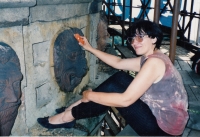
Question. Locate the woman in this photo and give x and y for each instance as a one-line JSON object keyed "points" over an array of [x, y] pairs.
{"points": [[154, 103]]}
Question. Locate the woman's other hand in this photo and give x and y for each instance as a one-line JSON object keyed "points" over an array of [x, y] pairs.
{"points": [[85, 95]]}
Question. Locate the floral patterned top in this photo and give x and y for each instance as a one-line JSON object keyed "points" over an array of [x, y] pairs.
{"points": [[168, 98]]}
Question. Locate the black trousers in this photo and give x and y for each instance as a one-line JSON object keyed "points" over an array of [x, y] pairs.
{"points": [[138, 115]]}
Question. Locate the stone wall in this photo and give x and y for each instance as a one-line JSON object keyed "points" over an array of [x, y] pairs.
{"points": [[30, 28]]}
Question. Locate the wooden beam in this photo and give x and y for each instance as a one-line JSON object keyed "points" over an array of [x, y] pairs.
{"points": [[173, 39], [156, 11]]}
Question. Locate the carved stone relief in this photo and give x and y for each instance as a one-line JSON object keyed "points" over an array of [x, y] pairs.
{"points": [[10, 90], [70, 64]]}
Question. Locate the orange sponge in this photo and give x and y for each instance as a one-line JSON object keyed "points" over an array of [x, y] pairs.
{"points": [[78, 38]]}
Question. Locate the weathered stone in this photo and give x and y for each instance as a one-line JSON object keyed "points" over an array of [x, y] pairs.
{"points": [[95, 6], [16, 3], [53, 2], [41, 62], [43, 95], [52, 12], [94, 19], [14, 17], [41, 53]]}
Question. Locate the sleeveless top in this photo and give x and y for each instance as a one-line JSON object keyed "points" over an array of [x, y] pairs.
{"points": [[167, 98]]}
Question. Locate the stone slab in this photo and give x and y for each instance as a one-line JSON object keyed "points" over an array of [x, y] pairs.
{"points": [[43, 95], [59, 12], [194, 113], [54, 2], [16, 3], [13, 17]]}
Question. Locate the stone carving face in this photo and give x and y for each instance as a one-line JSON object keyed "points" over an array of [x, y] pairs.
{"points": [[10, 91], [10, 76], [70, 64]]}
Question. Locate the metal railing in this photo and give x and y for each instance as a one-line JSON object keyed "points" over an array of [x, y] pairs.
{"points": [[184, 27]]}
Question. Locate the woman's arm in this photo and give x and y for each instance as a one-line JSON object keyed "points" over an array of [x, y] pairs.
{"points": [[132, 64], [153, 70]]}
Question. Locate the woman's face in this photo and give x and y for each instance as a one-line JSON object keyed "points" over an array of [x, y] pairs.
{"points": [[142, 44]]}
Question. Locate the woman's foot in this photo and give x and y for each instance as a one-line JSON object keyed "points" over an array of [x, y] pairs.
{"points": [[45, 123]]}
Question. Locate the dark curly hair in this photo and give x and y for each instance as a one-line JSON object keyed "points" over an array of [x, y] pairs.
{"points": [[150, 28]]}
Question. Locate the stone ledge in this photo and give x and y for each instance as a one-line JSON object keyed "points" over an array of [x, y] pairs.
{"points": [[55, 2], [52, 12], [17, 3], [14, 17]]}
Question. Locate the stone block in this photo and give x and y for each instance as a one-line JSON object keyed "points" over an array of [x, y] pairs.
{"points": [[41, 62], [41, 53], [13, 17], [59, 12], [54, 2], [43, 96], [16, 3]]}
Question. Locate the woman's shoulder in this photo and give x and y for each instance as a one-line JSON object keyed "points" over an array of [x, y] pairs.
{"points": [[159, 54], [156, 56]]}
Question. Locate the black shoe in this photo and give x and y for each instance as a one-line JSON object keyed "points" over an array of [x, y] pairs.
{"points": [[45, 123], [60, 110]]}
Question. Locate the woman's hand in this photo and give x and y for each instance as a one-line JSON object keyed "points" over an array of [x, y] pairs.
{"points": [[86, 44], [85, 95]]}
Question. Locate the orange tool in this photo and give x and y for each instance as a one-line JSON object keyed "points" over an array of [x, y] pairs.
{"points": [[78, 38]]}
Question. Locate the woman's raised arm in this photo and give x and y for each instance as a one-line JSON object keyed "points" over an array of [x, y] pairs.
{"points": [[132, 64]]}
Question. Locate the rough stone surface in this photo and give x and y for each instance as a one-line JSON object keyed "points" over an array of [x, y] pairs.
{"points": [[40, 53], [52, 12], [13, 17], [16, 3], [54, 2], [94, 19], [43, 95]]}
